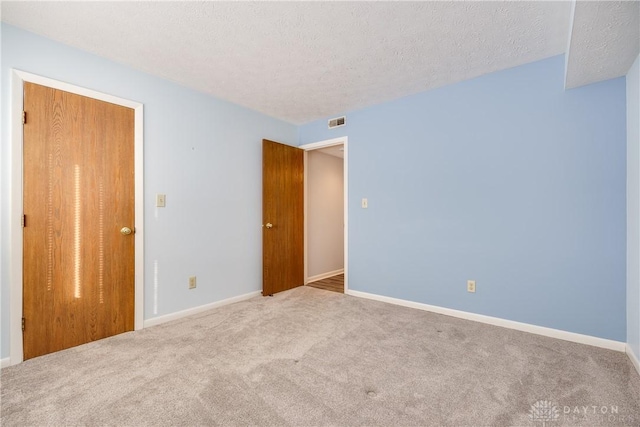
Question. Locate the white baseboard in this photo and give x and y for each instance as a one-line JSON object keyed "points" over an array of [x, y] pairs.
{"points": [[496, 321], [324, 275], [634, 358], [5, 362], [195, 310]]}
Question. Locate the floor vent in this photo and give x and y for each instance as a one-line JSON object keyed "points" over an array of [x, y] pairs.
{"points": [[338, 121]]}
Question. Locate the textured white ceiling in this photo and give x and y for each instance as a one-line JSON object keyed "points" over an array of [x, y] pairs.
{"points": [[300, 61], [605, 41]]}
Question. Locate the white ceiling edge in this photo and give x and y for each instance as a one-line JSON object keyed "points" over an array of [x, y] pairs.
{"points": [[604, 41]]}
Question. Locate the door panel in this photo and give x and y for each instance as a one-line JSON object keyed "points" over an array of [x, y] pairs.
{"points": [[78, 269], [283, 217]]}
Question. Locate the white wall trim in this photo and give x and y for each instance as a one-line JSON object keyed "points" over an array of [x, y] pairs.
{"points": [[343, 140], [195, 310], [496, 321], [305, 210], [16, 199], [324, 275], [634, 359], [326, 143], [5, 362]]}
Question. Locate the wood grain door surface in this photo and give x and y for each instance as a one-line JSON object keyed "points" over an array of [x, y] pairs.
{"points": [[78, 268], [283, 217]]}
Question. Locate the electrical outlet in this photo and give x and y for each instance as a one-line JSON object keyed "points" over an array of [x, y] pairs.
{"points": [[192, 282], [471, 285]]}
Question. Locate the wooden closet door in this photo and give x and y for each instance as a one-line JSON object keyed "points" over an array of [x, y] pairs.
{"points": [[78, 261]]}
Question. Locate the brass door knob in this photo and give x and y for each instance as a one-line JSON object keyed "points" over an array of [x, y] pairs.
{"points": [[126, 231], [269, 225]]}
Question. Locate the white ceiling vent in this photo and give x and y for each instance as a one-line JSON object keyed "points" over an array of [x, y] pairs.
{"points": [[338, 121]]}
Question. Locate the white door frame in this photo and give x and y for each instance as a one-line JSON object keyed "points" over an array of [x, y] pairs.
{"points": [[18, 78], [343, 140]]}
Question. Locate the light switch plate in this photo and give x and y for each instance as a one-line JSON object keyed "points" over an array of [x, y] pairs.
{"points": [[365, 203], [161, 200]]}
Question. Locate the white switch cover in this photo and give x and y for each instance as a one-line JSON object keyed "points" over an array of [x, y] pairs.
{"points": [[161, 200], [365, 203]]}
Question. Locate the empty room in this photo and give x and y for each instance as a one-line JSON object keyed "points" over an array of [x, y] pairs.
{"points": [[320, 213]]}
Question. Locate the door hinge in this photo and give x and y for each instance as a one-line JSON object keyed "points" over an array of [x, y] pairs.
{"points": [[24, 117], [23, 324], [24, 221]]}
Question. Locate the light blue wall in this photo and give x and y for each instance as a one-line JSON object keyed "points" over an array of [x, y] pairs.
{"points": [[633, 208], [507, 179], [203, 153]]}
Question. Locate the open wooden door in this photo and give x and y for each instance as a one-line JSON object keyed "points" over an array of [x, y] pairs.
{"points": [[282, 217], [78, 257]]}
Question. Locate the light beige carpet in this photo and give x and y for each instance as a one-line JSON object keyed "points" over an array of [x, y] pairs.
{"points": [[309, 357]]}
